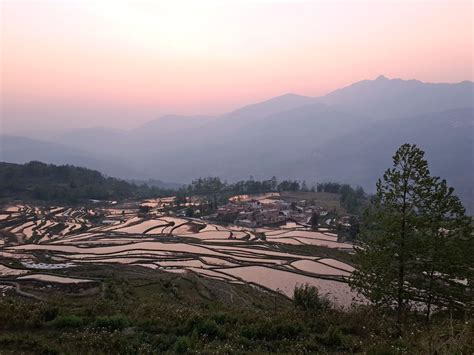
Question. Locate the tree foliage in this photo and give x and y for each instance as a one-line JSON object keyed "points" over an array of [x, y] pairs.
{"points": [[213, 185], [66, 183], [307, 298], [415, 240], [448, 248], [351, 199]]}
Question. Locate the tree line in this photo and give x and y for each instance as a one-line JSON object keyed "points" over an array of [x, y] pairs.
{"points": [[214, 185], [70, 184], [352, 199], [66, 183]]}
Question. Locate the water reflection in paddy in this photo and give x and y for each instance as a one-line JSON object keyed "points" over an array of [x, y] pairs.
{"points": [[142, 227], [53, 278], [284, 281], [337, 264], [211, 235], [7, 271], [315, 267], [176, 247]]}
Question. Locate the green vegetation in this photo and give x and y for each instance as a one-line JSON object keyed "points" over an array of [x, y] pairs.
{"points": [[350, 198], [213, 185], [217, 192], [307, 298], [353, 200], [69, 184], [169, 314], [416, 246]]}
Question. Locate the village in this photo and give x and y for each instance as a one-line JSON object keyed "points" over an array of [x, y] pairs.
{"points": [[305, 211], [266, 212], [259, 210]]}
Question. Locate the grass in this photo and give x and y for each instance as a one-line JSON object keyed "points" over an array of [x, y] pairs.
{"points": [[164, 313]]}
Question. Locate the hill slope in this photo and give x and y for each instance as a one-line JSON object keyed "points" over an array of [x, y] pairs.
{"points": [[36, 180]]}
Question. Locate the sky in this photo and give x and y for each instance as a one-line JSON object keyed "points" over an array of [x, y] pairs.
{"points": [[115, 63]]}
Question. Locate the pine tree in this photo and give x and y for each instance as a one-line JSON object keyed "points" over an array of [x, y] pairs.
{"points": [[416, 244], [447, 258], [386, 257]]}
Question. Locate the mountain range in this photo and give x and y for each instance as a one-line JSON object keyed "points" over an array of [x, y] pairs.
{"points": [[348, 135]]}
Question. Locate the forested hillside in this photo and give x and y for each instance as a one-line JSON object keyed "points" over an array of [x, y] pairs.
{"points": [[36, 180]]}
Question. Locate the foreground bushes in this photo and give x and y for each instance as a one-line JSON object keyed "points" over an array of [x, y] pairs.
{"points": [[147, 324], [307, 298], [68, 322]]}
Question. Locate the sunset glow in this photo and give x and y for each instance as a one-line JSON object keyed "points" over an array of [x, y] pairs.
{"points": [[120, 63]]}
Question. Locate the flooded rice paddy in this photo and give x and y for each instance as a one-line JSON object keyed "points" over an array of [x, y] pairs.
{"points": [[47, 239]]}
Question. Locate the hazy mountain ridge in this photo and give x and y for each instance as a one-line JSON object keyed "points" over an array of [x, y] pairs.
{"points": [[347, 135], [447, 138], [21, 150], [272, 106], [384, 98]]}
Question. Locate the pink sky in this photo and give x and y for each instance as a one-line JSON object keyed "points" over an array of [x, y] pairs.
{"points": [[79, 63]]}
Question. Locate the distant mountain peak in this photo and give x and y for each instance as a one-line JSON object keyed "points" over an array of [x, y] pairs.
{"points": [[382, 78], [289, 94]]}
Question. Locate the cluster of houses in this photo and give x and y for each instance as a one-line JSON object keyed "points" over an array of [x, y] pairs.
{"points": [[256, 213]]}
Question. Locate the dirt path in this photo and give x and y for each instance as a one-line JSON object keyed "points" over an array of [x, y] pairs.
{"points": [[20, 292]]}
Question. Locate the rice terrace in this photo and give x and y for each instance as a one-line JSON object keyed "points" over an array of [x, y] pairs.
{"points": [[54, 246]]}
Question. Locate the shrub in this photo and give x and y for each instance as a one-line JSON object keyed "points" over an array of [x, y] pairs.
{"points": [[276, 329], [50, 313], [25, 343], [223, 318], [68, 322], [97, 341], [332, 337], [16, 313], [306, 298], [207, 327], [382, 349], [163, 342], [182, 344], [113, 322]]}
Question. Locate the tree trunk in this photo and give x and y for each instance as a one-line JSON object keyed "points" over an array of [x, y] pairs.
{"points": [[430, 297], [434, 255], [401, 268]]}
